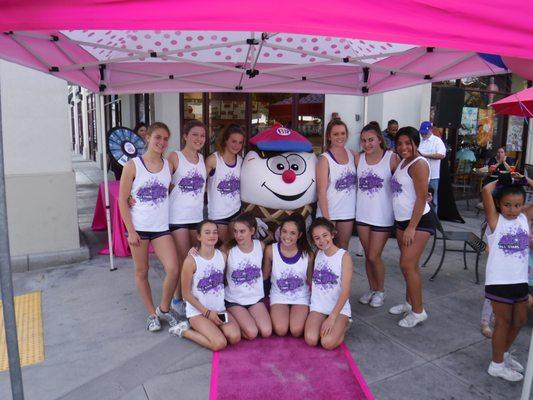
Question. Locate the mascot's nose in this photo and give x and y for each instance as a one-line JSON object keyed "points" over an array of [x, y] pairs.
{"points": [[288, 176]]}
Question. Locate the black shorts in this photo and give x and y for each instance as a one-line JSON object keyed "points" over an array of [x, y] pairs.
{"points": [[227, 220], [426, 224], [191, 227], [508, 294], [144, 235], [376, 228], [343, 220], [229, 304]]}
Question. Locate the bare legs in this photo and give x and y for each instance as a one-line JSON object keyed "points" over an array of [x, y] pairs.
{"points": [[184, 239], [207, 334], [253, 320], [313, 327], [287, 317], [373, 243], [509, 318], [344, 232]]}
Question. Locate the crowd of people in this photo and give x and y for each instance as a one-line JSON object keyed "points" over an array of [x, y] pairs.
{"points": [[230, 285]]}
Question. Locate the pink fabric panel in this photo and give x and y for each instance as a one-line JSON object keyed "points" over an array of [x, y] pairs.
{"points": [[520, 66], [491, 26]]}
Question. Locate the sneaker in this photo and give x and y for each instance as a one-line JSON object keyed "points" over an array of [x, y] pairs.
{"points": [[510, 362], [486, 331], [178, 305], [365, 298], [412, 319], [504, 372], [152, 323], [378, 299], [171, 316], [400, 309], [179, 329]]}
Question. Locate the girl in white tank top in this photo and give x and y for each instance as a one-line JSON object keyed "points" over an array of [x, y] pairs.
{"points": [[147, 181], [203, 291], [506, 278], [332, 274], [288, 264], [374, 214], [224, 180], [336, 182], [244, 291]]}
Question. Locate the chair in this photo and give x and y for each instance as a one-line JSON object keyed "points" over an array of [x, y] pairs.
{"points": [[468, 238], [462, 181]]}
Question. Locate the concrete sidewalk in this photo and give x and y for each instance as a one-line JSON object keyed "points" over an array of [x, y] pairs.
{"points": [[96, 346]]}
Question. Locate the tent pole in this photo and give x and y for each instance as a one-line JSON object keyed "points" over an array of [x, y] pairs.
{"points": [[6, 283], [100, 122], [526, 387]]}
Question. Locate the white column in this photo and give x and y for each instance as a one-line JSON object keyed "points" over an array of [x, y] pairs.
{"points": [[167, 110], [85, 124]]}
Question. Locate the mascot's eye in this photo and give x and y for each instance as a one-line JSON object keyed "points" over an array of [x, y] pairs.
{"points": [[297, 164], [278, 164]]}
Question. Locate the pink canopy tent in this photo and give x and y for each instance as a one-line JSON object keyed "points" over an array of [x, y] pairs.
{"points": [[520, 103]]}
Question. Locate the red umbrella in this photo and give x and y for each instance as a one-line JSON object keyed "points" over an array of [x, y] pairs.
{"points": [[520, 103]]}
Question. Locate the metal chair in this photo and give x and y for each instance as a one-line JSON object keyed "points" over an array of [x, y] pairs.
{"points": [[468, 238]]}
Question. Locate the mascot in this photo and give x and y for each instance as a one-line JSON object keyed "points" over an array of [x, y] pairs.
{"points": [[278, 176]]}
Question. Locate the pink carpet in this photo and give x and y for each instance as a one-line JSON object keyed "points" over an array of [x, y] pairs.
{"points": [[285, 368]]}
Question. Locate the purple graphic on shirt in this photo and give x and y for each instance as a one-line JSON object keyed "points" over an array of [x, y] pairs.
{"points": [[229, 186], [247, 273], [212, 282], [152, 192], [290, 283], [324, 277], [370, 182], [192, 183], [516, 240], [396, 187], [346, 182]]}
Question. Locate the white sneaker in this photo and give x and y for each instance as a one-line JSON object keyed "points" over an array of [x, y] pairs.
{"points": [[365, 298], [400, 309], [178, 306], [179, 329], [378, 299], [504, 372], [152, 323], [412, 319], [510, 362]]}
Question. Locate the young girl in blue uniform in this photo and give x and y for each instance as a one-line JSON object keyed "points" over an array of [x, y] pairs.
{"points": [[244, 293], [332, 275], [506, 277], [289, 264]]}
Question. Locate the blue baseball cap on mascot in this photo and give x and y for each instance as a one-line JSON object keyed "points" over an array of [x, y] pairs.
{"points": [[425, 128], [279, 138]]}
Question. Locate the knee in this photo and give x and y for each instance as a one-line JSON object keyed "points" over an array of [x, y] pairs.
{"points": [[281, 330], [328, 343], [519, 322], [311, 339], [297, 331], [141, 274], [219, 344], [265, 331], [172, 272], [234, 336], [250, 332], [372, 258], [503, 322]]}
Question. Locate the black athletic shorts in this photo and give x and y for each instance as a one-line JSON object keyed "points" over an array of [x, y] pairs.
{"points": [[227, 220], [174, 227], [508, 294], [376, 228], [229, 304], [426, 224], [144, 235]]}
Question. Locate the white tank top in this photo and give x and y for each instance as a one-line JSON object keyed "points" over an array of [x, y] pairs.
{"points": [[224, 189], [208, 284], [508, 258], [326, 287], [187, 196], [341, 188], [150, 191], [403, 192], [244, 276], [374, 195], [289, 284]]}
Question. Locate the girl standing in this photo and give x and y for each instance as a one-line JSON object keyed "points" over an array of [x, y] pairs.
{"points": [[289, 264], [244, 291], [147, 179], [332, 275], [374, 215], [335, 182], [414, 222], [224, 182], [506, 278], [187, 195], [203, 290]]}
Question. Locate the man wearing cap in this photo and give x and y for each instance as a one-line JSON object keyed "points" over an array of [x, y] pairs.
{"points": [[389, 134], [433, 149]]}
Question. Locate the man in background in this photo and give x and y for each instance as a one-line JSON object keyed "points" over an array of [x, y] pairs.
{"points": [[390, 133], [433, 149]]}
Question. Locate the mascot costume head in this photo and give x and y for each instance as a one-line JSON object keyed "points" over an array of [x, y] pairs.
{"points": [[278, 176]]}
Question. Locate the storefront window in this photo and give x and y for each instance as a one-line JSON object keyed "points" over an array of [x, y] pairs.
{"points": [[224, 109], [192, 107], [271, 108], [311, 119]]}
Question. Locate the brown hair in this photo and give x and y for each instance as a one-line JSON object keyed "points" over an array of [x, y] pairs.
{"points": [[247, 219], [301, 243], [331, 124], [326, 223], [157, 125], [188, 126], [373, 128], [223, 139]]}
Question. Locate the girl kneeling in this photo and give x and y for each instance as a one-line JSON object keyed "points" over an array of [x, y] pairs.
{"points": [[332, 276], [202, 280]]}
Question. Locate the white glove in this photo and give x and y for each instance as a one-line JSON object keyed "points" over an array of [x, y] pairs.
{"points": [[262, 228]]}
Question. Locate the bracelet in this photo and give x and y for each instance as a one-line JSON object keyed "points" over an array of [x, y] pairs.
{"points": [[207, 313]]}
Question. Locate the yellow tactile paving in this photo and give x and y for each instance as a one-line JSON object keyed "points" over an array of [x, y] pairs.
{"points": [[29, 330]]}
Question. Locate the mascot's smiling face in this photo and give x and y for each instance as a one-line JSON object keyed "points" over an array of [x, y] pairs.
{"points": [[284, 181]]}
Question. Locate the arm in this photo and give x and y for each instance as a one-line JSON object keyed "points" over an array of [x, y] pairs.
{"points": [[126, 182], [173, 162], [210, 164], [267, 262], [419, 172], [394, 162], [346, 284], [322, 178], [310, 268], [488, 204], [356, 157]]}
